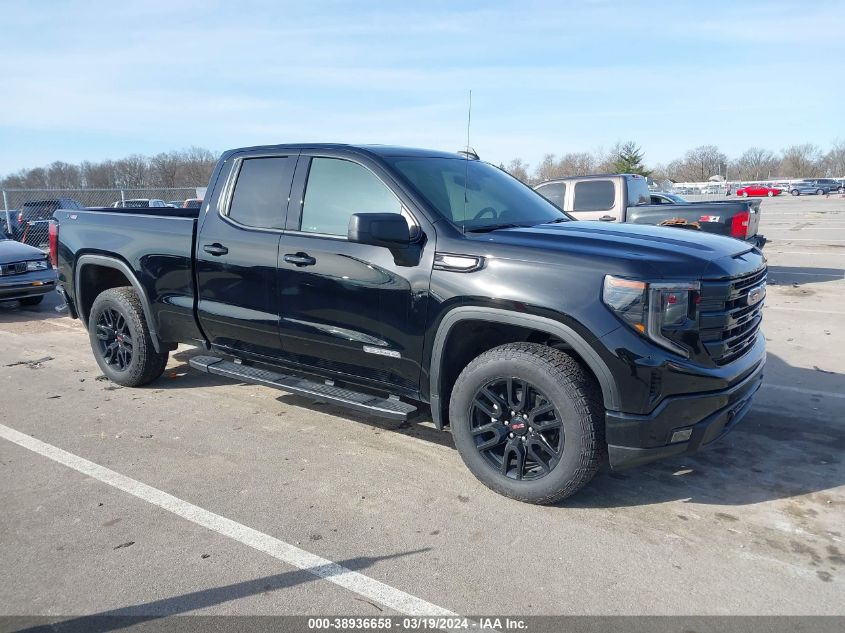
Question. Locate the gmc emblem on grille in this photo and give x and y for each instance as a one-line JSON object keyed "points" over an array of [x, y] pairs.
{"points": [[756, 295]]}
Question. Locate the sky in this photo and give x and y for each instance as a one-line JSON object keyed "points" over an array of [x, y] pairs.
{"points": [[89, 80]]}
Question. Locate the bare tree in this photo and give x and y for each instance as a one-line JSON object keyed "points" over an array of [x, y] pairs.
{"points": [[577, 164], [131, 172], [699, 164], [517, 168], [63, 176], [834, 160], [802, 161], [756, 163]]}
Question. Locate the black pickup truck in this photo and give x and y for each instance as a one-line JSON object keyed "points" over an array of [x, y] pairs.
{"points": [[626, 198], [380, 277]]}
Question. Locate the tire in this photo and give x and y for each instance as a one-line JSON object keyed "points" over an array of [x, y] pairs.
{"points": [[120, 339], [32, 301], [841, 190], [771, 193], [819, 192], [795, 192], [553, 379], [744, 194]]}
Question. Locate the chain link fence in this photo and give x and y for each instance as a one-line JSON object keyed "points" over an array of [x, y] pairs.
{"points": [[26, 213]]}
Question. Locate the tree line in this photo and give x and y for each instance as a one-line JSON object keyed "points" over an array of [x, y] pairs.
{"points": [[192, 167], [189, 167], [696, 165]]}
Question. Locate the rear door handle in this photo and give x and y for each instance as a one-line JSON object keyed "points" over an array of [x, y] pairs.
{"points": [[215, 249], [300, 259]]}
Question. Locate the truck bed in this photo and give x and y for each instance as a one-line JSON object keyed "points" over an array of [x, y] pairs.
{"points": [[712, 217], [157, 246]]}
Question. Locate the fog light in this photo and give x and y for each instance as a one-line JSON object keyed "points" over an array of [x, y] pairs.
{"points": [[681, 435]]}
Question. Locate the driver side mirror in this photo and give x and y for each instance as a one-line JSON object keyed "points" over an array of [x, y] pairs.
{"points": [[379, 229]]}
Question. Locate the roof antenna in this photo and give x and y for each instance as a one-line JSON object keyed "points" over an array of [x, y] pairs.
{"points": [[466, 154]]}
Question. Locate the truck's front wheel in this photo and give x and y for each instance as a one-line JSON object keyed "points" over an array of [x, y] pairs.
{"points": [[527, 421], [120, 338]]}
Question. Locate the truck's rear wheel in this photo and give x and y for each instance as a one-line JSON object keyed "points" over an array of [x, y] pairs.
{"points": [[121, 339], [527, 421]]}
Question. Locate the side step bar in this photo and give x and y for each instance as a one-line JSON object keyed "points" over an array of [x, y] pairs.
{"points": [[366, 403]]}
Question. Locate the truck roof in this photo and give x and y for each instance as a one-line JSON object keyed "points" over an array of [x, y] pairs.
{"points": [[375, 150]]}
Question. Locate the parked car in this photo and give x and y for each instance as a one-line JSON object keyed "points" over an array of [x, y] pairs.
{"points": [[32, 218], [403, 276], [831, 184], [174, 203], [808, 187], [663, 197], [625, 198], [139, 203], [26, 275], [758, 190], [192, 203]]}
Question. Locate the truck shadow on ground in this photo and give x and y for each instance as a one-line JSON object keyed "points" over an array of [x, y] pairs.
{"points": [[130, 616], [772, 454], [785, 275], [14, 312]]}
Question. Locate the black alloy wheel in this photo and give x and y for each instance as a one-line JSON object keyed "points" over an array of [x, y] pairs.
{"points": [[115, 339], [517, 429]]}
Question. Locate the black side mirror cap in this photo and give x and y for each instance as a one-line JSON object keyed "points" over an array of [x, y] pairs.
{"points": [[389, 230]]}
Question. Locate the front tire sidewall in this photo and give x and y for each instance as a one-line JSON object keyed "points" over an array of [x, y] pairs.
{"points": [[576, 444]]}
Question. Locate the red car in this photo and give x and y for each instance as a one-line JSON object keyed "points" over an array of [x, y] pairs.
{"points": [[758, 190]]}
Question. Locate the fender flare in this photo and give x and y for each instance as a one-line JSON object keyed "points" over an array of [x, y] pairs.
{"points": [[610, 393], [117, 264]]}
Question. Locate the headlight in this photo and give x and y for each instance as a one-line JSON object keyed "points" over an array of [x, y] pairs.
{"points": [[652, 309], [41, 264]]}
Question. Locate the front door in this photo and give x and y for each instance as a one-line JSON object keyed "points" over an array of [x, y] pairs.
{"points": [[345, 307], [237, 256]]}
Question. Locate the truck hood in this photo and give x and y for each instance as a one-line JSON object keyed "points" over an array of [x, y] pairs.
{"points": [[11, 251], [671, 253]]}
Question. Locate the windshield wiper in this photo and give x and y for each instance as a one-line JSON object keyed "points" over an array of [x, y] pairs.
{"points": [[496, 227], [555, 221]]}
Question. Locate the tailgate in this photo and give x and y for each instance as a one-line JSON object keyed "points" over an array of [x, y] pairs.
{"points": [[753, 218]]}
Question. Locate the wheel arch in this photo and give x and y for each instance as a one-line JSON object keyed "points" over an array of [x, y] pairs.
{"points": [[531, 322], [84, 300]]}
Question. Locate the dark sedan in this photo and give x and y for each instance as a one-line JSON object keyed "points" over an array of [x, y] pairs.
{"points": [[26, 274]]}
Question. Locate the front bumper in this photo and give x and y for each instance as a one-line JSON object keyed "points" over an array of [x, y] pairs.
{"points": [[25, 285], [638, 439]]}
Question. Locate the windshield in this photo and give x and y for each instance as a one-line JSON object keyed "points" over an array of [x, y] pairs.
{"points": [[475, 195]]}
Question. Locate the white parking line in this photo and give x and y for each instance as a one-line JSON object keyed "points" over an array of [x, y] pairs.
{"points": [[790, 309], [809, 392], [327, 570]]}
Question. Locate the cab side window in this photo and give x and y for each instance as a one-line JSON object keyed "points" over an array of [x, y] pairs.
{"points": [[594, 195], [338, 188], [554, 192], [260, 198]]}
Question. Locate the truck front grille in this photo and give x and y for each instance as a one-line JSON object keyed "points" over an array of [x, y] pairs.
{"points": [[15, 268], [728, 325]]}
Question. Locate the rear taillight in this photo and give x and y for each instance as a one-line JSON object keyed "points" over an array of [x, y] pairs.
{"points": [[739, 224], [20, 219], [54, 243]]}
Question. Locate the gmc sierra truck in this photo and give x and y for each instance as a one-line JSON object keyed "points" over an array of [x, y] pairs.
{"points": [[626, 198], [379, 278]]}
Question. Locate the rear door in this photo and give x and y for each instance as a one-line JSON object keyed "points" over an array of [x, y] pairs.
{"points": [[237, 255], [596, 199]]}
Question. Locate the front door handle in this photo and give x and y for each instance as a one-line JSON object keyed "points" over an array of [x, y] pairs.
{"points": [[607, 218], [300, 259], [215, 249]]}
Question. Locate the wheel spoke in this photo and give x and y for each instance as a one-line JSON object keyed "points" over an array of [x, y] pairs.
{"points": [[514, 453], [542, 453], [104, 333], [498, 432], [517, 393], [489, 402], [542, 425]]}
